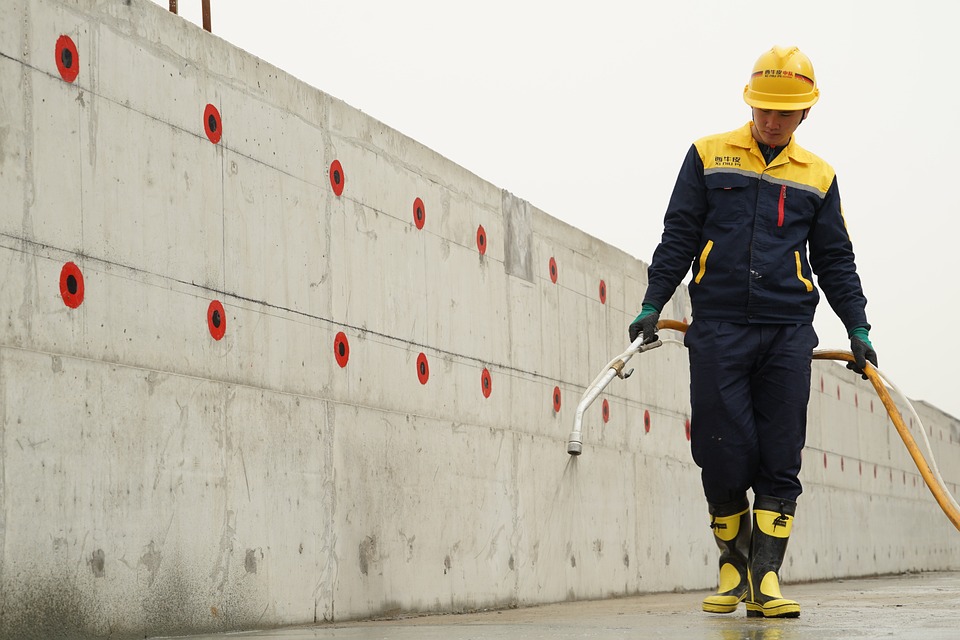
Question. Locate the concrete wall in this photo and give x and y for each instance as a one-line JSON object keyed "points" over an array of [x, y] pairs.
{"points": [[155, 479]]}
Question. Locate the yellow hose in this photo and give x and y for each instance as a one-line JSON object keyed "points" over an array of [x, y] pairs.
{"points": [[939, 492]]}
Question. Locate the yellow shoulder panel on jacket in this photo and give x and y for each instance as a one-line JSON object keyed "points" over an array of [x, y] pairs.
{"points": [[803, 168], [731, 151], [736, 151]]}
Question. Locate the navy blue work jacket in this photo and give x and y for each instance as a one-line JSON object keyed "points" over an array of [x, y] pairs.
{"points": [[750, 233]]}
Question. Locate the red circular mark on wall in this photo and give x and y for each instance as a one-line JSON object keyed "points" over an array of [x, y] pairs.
{"points": [[216, 320], [553, 271], [419, 213], [603, 292], [481, 240], [838, 392], [556, 399], [486, 383], [605, 410], [686, 427], [341, 349], [423, 369], [824, 460], [871, 405], [212, 123], [71, 285], [646, 421], [68, 60], [337, 177]]}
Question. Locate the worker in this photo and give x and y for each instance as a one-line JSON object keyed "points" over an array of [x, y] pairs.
{"points": [[753, 217]]}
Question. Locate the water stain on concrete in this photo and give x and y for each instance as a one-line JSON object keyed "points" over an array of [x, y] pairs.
{"points": [[150, 560], [367, 554], [97, 563], [250, 561]]}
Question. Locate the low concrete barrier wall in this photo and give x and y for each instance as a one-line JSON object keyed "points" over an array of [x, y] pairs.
{"points": [[266, 361]]}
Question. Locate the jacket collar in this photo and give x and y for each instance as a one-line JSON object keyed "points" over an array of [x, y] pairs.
{"points": [[743, 138]]}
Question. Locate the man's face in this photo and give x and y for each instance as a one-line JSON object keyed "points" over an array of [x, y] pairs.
{"points": [[774, 128]]}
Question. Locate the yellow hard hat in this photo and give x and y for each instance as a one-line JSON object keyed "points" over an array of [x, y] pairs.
{"points": [[782, 80]]}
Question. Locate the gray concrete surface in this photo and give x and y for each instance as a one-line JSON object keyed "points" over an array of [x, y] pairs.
{"points": [[922, 606], [160, 477]]}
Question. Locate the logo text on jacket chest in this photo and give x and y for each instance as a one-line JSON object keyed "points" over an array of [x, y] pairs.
{"points": [[727, 161]]}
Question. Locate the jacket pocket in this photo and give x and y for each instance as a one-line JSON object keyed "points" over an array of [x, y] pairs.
{"points": [[728, 195], [703, 261], [806, 283]]}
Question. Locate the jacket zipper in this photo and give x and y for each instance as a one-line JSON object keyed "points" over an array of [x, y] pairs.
{"points": [[783, 196]]}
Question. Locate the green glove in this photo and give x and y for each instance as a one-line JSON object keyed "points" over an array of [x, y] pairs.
{"points": [[862, 350], [645, 323]]}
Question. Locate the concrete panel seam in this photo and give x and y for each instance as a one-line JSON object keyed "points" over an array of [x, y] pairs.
{"points": [[46, 250]]}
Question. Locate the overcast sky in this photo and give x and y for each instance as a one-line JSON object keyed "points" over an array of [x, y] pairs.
{"points": [[587, 109]]}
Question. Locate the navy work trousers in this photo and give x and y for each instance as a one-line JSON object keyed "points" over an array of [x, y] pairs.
{"points": [[749, 388]]}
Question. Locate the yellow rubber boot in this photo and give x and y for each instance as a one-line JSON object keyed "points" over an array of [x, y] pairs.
{"points": [[731, 530], [773, 521]]}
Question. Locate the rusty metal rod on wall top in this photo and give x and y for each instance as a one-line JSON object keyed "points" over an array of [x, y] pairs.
{"points": [[205, 9]]}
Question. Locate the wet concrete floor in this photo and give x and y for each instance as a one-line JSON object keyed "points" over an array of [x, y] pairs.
{"points": [[906, 607]]}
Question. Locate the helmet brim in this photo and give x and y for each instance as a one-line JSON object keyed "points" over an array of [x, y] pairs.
{"points": [[780, 102]]}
